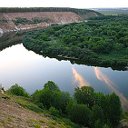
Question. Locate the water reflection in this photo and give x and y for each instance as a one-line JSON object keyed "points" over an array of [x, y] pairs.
{"points": [[102, 77], [32, 71], [79, 79]]}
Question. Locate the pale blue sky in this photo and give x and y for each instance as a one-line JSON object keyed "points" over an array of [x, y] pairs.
{"points": [[65, 3]]}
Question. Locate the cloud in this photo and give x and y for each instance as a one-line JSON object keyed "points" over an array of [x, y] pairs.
{"points": [[102, 77], [79, 79]]}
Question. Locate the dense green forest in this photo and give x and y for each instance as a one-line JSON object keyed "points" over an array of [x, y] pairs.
{"points": [[85, 108], [101, 41]]}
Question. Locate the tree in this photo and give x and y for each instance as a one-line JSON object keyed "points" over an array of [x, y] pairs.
{"points": [[98, 124], [114, 109], [100, 100], [106, 126], [53, 111], [98, 113], [62, 101], [50, 85], [52, 96], [81, 114], [18, 90], [85, 95]]}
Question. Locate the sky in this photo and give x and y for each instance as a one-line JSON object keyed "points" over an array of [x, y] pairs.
{"points": [[65, 3]]}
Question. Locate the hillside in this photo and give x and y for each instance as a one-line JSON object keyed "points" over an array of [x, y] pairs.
{"points": [[52, 108], [15, 113], [14, 19]]}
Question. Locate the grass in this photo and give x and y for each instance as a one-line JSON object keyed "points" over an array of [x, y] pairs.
{"points": [[26, 103], [47, 119]]}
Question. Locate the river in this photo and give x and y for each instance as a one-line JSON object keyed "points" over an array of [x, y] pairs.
{"points": [[32, 71]]}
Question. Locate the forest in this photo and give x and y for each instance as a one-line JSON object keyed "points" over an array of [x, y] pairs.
{"points": [[101, 41], [86, 107]]}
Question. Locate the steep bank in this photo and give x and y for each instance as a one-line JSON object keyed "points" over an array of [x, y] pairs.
{"points": [[50, 17], [15, 19]]}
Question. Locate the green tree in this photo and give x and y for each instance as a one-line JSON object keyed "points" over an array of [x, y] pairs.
{"points": [[98, 113], [52, 96], [85, 95], [53, 111], [114, 109], [18, 91], [98, 124], [50, 85], [81, 114]]}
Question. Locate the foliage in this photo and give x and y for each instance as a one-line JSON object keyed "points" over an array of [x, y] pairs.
{"points": [[53, 111], [87, 108], [27, 103], [21, 21], [51, 96], [18, 91], [105, 108], [101, 41], [81, 114], [34, 20], [114, 109], [85, 95], [98, 113]]}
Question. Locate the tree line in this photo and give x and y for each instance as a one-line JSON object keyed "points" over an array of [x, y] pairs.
{"points": [[86, 107], [102, 41], [46, 9]]}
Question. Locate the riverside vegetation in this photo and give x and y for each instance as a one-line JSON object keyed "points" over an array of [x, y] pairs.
{"points": [[85, 107], [101, 41]]}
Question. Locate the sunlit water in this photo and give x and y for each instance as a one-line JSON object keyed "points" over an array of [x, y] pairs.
{"points": [[32, 71]]}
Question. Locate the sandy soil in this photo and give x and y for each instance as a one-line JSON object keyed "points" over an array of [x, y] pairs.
{"points": [[52, 17]]}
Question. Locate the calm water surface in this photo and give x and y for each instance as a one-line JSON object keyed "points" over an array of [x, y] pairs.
{"points": [[32, 71]]}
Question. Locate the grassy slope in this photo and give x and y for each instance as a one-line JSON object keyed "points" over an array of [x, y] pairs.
{"points": [[21, 112]]}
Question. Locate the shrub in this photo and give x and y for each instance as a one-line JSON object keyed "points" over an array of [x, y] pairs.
{"points": [[81, 114], [84, 95], [18, 91], [51, 95], [53, 111]]}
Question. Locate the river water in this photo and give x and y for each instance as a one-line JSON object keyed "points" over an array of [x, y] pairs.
{"points": [[32, 71]]}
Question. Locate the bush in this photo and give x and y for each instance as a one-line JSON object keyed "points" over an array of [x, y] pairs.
{"points": [[81, 114], [51, 95], [18, 91], [88, 108], [84, 95], [53, 111]]}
